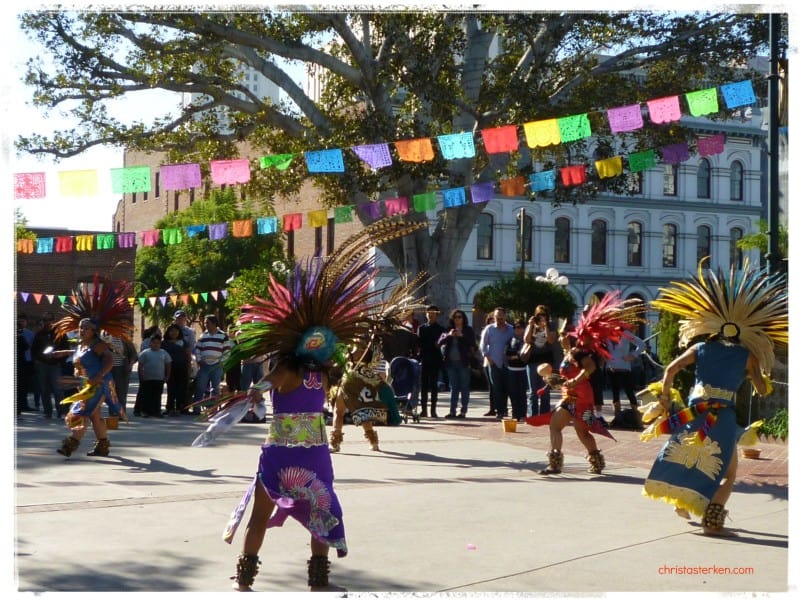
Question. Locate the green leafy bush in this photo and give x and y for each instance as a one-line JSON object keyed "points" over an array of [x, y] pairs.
{"points": [[777, 425]]}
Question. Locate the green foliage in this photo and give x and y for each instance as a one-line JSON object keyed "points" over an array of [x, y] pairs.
{"points": [[21, 231], [520, 296], [760, 241], [777, 425], [198, 265], [668, 349]]}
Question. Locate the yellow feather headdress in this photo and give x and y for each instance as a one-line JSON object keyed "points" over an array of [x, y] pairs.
{"points": [[748, 306]]}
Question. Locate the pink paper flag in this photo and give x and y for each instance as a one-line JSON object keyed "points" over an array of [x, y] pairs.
{"points": [[664, 110], [396, 206], [180, 177], [292, 221], [29, 185], [230, 171], [708, 146], [625, 118]]}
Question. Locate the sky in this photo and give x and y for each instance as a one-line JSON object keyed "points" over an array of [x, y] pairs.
{"points": [[93, 213]]}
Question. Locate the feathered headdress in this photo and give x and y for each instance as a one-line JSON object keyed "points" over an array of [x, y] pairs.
{"points": [[106, 305], [327, 304], [748, 306], [608, 320]]}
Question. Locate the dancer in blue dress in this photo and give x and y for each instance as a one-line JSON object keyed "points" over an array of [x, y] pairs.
{"points": [[741, 316], [100, 307]]}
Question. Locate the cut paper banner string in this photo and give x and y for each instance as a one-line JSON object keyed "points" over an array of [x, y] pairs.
{"points": [[180, 176], [130, 180], [500, 139], [664, 110], [457, 145], [415, 151], [377, 156], [482, 192], [542, 133], [625, 118], [78, 183], [325, 161], [543, 181], [279, 161], [709, 146], [675, 153], [230, 172], [29, 186], [738, 94], [703, 102]]}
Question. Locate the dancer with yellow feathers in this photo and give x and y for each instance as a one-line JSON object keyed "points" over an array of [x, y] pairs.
{"points": [[740, 317]]}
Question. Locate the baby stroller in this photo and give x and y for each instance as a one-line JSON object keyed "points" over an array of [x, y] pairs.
{"points": [[405, 385]]}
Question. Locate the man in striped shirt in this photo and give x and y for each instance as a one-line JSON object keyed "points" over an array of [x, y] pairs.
{"points": [[209, 350]]}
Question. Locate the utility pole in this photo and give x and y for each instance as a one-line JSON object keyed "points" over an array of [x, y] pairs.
{"points": [[774, 258]]}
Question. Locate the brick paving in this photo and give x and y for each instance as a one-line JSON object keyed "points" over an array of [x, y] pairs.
{"points": [[770, 469]]}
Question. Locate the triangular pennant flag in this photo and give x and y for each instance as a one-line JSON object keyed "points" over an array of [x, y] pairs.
{"points": [[194, 298], [185, 298], [37, 297], [50, 298], [142, 301], [224, 294], [204, 295], [62, 299], [163, 300], [153, 300], [24, 296], [214, 294]]}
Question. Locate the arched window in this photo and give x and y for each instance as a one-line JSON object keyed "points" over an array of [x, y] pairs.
{"points": [[634, 244], [669, 245], [485, 247], [670, 180], [703, 243], [737, 181], [524, 238], [561, 249], [736, 252], [599, 229], [703, 179]]}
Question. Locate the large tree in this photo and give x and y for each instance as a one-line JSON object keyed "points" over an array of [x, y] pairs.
{"points": [[387, 76]]}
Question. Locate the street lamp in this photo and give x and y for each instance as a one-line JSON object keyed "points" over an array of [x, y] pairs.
{"points": [[170, 291], [521, 218], [231, 279]]}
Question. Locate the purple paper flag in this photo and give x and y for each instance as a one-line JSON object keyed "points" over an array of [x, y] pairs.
{"points": [[372, 210], [625, 118], [180, 177], [675, 153], [482, 192], [376, 156], [217, 231]]}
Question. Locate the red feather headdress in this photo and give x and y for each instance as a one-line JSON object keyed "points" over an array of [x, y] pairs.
{"points": [[608, 320]]}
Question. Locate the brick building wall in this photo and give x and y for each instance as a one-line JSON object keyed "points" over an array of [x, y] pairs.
{"points": [[58, 273]]}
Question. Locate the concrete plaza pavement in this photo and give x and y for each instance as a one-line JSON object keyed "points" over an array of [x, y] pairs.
{"points": [[445, 506]]}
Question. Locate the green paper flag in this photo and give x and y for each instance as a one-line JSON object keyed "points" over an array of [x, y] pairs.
{"points": [[279, 161], [640, 161], [343, 214], [425, 202], [703, 102], [574, 128]]}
